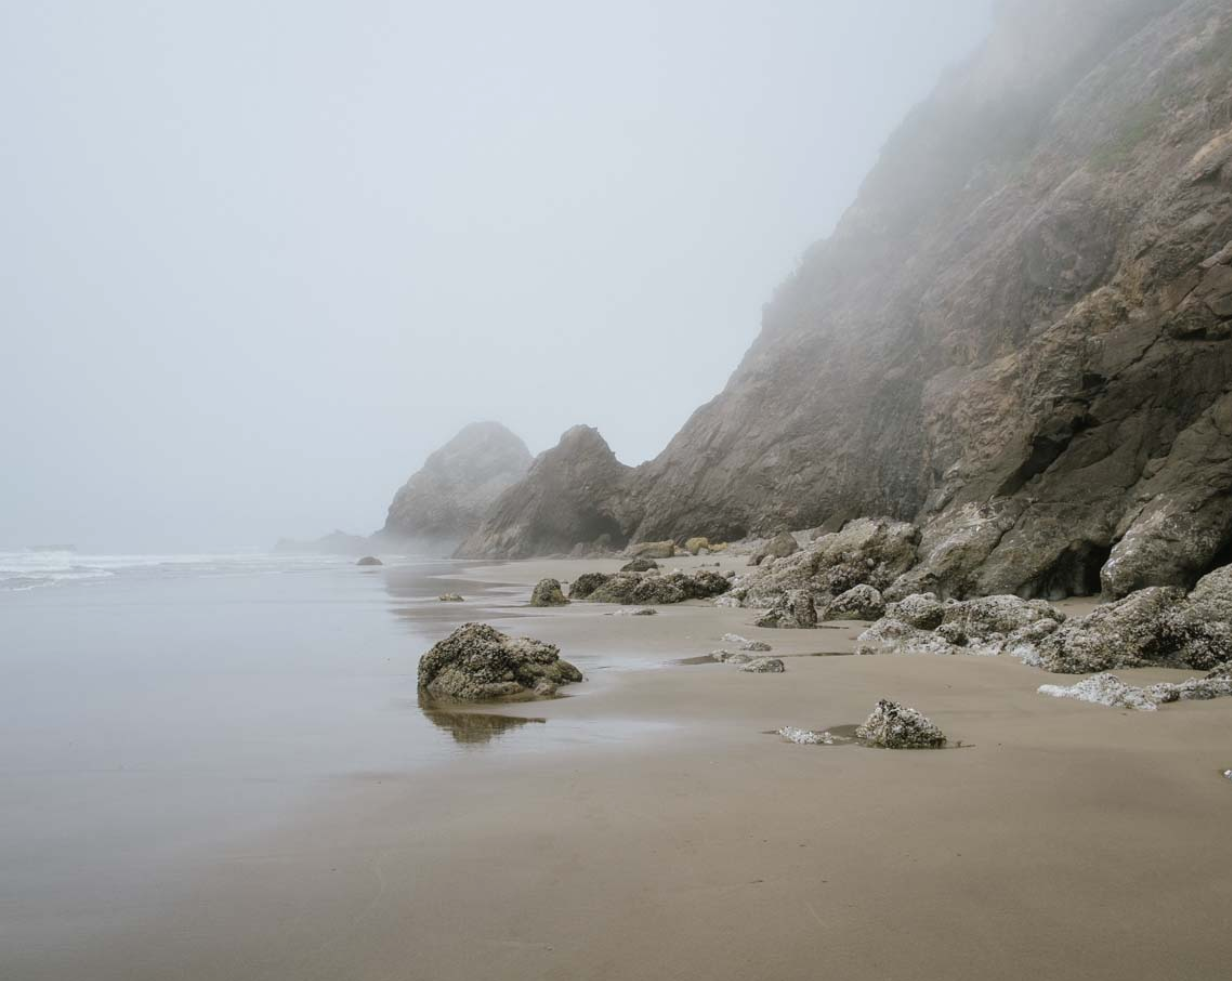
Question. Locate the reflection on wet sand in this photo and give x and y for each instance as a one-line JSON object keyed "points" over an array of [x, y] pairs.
{"points": [[470, 727]]}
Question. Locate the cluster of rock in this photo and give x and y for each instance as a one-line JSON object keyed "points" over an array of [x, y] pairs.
{"points": [[806, 737], [478, 662], [1153, 626], [652, 588], [1108, 689], [923, 624], [836, 576]]}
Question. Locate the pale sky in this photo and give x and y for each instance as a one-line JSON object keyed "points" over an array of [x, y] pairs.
{"points": [[258, 259]]}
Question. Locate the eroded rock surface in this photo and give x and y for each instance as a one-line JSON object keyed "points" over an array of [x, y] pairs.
{"points": [[892, 726], [1108, 689], [479, 662], [764, 665], [1018, 336]]}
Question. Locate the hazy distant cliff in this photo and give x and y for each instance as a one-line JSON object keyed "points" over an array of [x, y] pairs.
{"points": [[447, 499], [1018, 336]]}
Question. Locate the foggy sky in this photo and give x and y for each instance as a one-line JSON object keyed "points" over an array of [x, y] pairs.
{"points": [[258, 259]]}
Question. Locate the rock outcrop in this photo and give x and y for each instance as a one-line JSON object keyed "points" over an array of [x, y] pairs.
{"points": [[479, 662], [446, 500], [1108, 689], [1018, 337], [794, 609], [648, 589], [1158, 625], [574, 493]]}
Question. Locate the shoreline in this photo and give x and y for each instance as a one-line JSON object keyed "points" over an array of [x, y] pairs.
{"points": [[649, 826]]}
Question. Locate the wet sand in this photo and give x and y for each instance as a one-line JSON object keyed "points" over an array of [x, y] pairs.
{"points": [[648, 827]]}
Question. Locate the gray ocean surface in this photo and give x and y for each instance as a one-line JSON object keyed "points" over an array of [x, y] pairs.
{"points": [[152, 707]]}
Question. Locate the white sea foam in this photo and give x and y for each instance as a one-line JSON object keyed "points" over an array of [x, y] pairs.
{"points": [[26, 570]]}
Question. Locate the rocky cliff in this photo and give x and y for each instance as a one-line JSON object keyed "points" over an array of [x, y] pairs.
{"points": [[575, 493], [446, 500], [1017, 337]]}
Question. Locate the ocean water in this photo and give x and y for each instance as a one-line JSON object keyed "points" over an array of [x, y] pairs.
{"points": [[153, 706]]}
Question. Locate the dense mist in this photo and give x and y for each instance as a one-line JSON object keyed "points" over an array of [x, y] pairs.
{"points": [[259, 260]]}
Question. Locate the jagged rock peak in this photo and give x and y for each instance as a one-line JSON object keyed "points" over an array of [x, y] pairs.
{"points": [[448, 497], [574, 494]]}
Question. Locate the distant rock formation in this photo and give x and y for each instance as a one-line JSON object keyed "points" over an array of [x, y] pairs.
{"points": [[446, 500], [1018, 338], [572, 495]]}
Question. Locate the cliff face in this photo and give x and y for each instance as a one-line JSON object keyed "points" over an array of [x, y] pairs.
{"points": [[575, 493], [447, 499], [1017, 336]]}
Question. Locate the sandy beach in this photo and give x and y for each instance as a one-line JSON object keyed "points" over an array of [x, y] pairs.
{"points": [[649, 825]]}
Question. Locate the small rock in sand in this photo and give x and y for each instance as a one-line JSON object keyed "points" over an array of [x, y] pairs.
{"points": [[369, 560], [764, 665], [892, 726], [730, 657], [645, 611], [450, 598], [1107, 689], [744, 644], [806, 737]]}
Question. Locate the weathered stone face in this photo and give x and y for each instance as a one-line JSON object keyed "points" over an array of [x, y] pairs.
{"points": [[1018, 337], [478, 662]]}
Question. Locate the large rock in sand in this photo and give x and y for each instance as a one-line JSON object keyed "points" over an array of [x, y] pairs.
{"points": [[892, 726], [548, 593], [479, 662]]}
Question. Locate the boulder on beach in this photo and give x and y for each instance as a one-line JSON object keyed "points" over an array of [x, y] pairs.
{"points": [[478, 662], [892, 726], [632, 588], [369, 560], [764, 665], [548, 593], [695, 545], [793, 610], [921, 610], [640, 564], [861, 602], [450, 598], [652, 550], [585, 584]]}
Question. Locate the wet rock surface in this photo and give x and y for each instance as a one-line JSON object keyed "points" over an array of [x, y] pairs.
{"points": [[548, 592], [369, 560], [478, 662]]}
